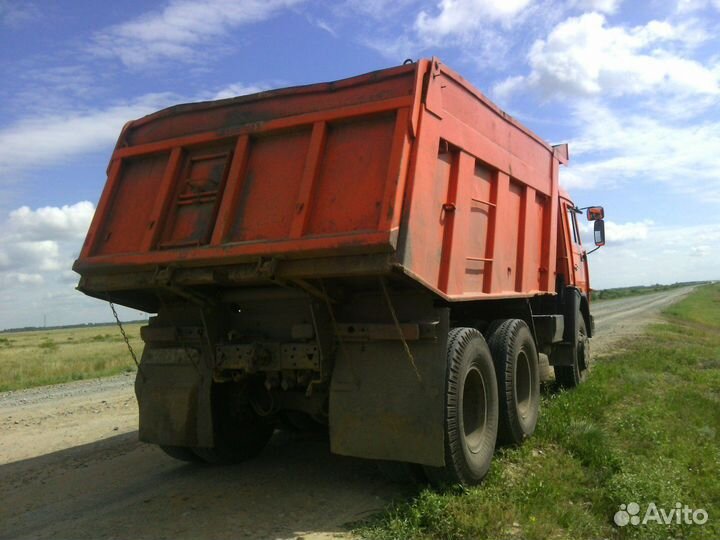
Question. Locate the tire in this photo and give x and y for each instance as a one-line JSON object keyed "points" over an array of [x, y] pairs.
{"points": [[518, 380], [300, 422], [471, 411], [572, 376], [180, 453], [240, 434], [400, 472]]}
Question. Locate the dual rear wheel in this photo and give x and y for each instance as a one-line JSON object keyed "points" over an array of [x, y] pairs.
{"points": [[471, 410], [518, 374], [492, 395]]}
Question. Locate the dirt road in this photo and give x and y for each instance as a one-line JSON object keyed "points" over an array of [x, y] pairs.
{"points": [[627, 317], [71, 467]]}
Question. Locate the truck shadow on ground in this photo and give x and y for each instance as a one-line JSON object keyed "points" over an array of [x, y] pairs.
{"points": [[120, 488]]}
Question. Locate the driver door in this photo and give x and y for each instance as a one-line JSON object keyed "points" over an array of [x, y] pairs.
{"points": [[577, 259]]}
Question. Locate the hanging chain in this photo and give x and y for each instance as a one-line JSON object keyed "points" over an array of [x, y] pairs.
{"points": [[401, 335], [127, 340]]}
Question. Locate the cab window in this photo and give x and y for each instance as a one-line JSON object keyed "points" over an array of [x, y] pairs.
{"points": [[572, 220]]}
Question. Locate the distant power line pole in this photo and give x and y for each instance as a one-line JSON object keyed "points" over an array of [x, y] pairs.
{"points": [[44, 320]]}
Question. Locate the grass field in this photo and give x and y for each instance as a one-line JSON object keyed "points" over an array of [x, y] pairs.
{"points": [[53, 356], [645, 428], [624, 292]]}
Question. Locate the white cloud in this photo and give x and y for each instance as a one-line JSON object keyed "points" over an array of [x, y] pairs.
{"points": [[476, 31], [43, 139], [508, 86], [37, 248], [582, 56], [236, 89], [700, 251], [43, 255], [405, 45], [686, 6], [460, 17], [45, 87], [324, 25], [613, 148], [601, 6], [20, 278], [177, 30], [13, 13], [22, 256], [660, 257], [617, 233], [66, 222], [42, 240], [52, 137], [377, 9], [620, 233]]}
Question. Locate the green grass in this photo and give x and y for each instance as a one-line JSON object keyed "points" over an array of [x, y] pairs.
{"points": [[644, 428], [638, 290], [40, 357]]}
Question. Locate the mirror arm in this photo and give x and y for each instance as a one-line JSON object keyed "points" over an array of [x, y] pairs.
{"points": [[591, 251]]}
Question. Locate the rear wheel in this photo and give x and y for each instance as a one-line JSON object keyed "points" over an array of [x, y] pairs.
{"points": [[572, 376], [471, 411], [402, 473], [300, 422], [240, 434], [181, 453], [518, 379]]}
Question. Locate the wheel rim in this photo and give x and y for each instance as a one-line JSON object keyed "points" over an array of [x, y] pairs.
{"points": [[523, 384], [474, 409]]}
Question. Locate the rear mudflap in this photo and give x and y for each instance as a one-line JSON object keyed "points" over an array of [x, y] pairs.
{"points": [[173, 393], [384, 407]]}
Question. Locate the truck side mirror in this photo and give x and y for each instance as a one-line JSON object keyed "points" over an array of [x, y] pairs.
{"points": [[595, 212], [599, 233]]}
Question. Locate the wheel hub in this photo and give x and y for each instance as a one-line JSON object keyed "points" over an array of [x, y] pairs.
{"points": [[474, 409]]}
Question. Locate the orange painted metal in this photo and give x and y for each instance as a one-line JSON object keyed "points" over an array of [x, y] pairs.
{"points": [[497, 183], [411, 161]]}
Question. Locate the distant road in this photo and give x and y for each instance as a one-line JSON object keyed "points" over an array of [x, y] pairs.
{"points": [[71, 466], [624, 317]]}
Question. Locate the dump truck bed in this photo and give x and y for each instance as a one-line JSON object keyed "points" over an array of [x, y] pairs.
{"points": [[407, 170]]}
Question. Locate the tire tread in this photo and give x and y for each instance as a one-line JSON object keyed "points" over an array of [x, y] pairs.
{"points": [[456, 470], [501, 341]]}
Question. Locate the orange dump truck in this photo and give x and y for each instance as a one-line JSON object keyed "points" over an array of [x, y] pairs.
{"points": [[388, 255]]}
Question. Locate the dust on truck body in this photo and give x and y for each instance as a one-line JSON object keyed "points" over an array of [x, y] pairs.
{"points": [[388, 255]]}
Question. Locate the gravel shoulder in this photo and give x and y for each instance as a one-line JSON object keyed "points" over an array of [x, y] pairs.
{"points": [[623, 318], [71, 466]]}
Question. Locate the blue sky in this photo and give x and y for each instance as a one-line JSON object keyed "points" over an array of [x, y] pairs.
{"points": [[633, 87]]}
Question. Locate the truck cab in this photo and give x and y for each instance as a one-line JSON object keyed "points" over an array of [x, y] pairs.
{"points": [[574, 264]]}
